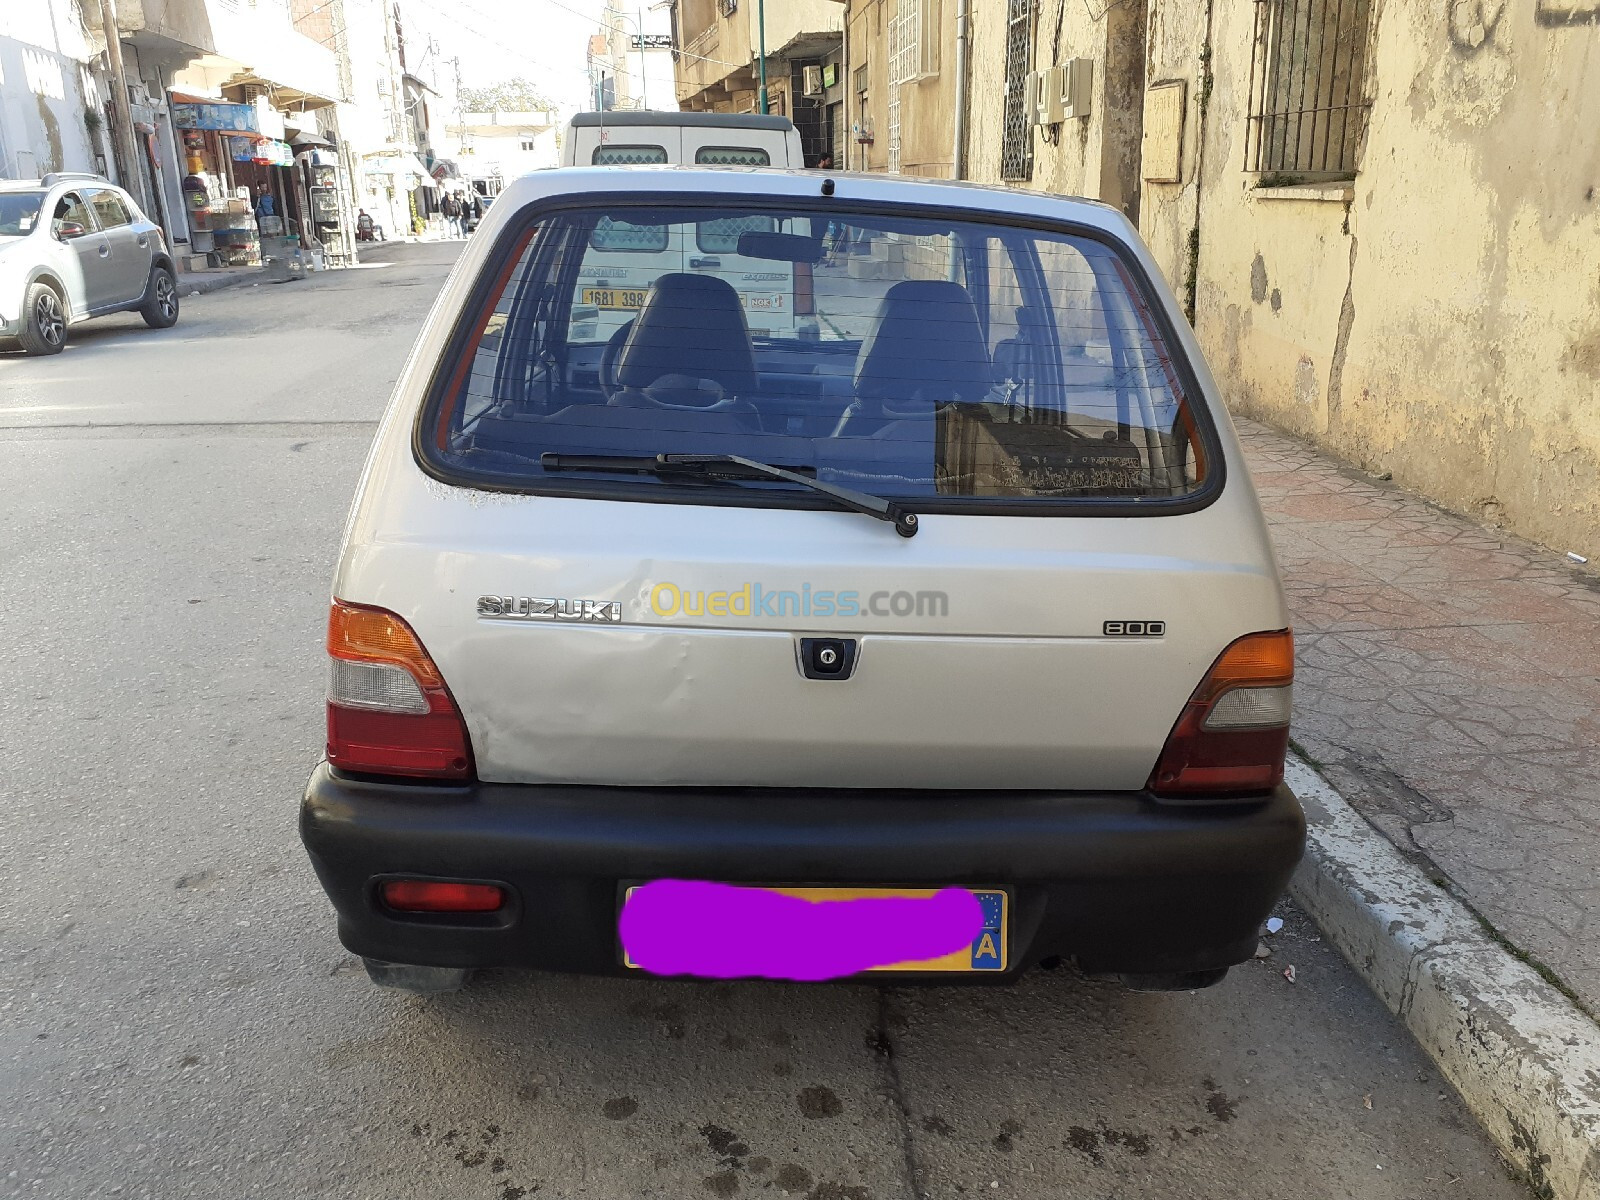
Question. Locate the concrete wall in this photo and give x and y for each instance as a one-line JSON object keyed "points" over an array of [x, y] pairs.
{"points": [[1439, 316], [44, 90]]}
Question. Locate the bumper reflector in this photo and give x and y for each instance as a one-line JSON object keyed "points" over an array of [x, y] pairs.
{"points": [[432, 895]]}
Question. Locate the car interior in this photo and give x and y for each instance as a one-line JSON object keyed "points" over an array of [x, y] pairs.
{"points": [[978, 381]]}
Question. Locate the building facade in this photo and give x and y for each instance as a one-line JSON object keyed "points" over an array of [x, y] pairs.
{"points": [[721, 64], [51, 107], [496, 147], [630, 59], [1384, 220]]}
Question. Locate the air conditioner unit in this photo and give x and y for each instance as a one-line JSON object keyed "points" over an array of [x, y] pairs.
{"points": [[253, 92], [811, 80], [1077, 88]]}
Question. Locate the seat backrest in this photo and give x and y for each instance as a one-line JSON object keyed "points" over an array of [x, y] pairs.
{"points": [[692, 326], [926, 342]]}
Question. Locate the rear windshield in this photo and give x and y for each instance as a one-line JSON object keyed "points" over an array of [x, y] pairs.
{"points": [[19, 212], [948, 361]]}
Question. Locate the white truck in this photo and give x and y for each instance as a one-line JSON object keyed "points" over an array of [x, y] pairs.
{"points": [[628, 256]]}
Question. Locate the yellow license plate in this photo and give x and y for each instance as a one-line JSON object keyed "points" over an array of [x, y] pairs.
{"points": [[988, 951], [617, 298]]}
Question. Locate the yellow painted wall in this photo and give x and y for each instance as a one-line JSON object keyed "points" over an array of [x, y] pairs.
{"points": [[1443, 324]]}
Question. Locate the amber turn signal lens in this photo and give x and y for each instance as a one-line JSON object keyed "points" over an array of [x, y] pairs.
{"points": [[1259, 660], [359, 634]]}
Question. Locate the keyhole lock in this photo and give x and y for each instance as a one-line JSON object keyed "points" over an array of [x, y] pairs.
{"points": [[827, 658]]}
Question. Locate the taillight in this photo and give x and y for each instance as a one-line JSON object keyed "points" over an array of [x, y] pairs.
{"points": [[389, 712], [441, 896], [1234, 731]]}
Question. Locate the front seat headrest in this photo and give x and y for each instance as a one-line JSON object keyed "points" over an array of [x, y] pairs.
{"points": [[693, 326], [927, 340]]}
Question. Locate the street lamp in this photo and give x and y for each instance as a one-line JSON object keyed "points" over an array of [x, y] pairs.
{"points": [[638, 30]]}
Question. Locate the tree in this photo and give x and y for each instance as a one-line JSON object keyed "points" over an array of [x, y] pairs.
{"points": [[509, 95]]}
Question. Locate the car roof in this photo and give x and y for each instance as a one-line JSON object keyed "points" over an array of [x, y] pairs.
{"points": [[799, 183], [615, 119], [61, 179]]}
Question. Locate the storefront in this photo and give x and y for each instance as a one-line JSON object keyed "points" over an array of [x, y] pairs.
{"points": [[242, 182], [399, 186]]}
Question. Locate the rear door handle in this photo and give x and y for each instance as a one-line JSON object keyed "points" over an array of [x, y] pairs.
{"points": [[705, 264]]}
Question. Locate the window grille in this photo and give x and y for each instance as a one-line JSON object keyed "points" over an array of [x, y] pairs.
{"points": [[905, 40], [1308, 102], [1016, 147]]}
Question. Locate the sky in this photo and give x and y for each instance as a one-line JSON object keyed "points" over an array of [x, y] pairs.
{"points": [[543, 40]]}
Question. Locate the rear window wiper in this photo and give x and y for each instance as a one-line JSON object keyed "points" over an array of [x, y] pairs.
{"points": [[733, 467]]}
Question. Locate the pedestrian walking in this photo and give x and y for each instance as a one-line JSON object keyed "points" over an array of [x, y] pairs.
{"points": [[451, 208]]}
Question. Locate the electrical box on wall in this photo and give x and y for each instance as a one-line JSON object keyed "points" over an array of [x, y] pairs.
{"points": [[1048, 104], [1075, 89], [1035, 90]]}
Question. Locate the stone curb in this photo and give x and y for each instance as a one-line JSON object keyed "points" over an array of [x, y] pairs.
{"points": [[1523, 1057], [189, 284]]}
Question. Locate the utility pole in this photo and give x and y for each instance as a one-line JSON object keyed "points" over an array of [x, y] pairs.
{"points": [[761, 47], [121, 118]]}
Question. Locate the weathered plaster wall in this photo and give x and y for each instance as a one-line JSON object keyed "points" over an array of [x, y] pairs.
{"points": [[1444, 323], [1175, 35], [44, 90], [1094, 156]]}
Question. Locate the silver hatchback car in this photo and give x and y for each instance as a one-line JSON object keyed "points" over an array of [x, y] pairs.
{"points": [[73, 247], [936, 633]]}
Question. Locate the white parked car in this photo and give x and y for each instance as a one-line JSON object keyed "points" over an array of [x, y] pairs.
{"points": [[958, 618], [625, 259], [73, 247]]}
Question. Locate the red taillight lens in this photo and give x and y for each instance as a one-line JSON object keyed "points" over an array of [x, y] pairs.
{"points": [[428, 895], [1234, 732], [389, 712]]}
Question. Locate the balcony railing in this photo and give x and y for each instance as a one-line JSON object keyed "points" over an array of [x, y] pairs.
{"points": [[702, 44]]}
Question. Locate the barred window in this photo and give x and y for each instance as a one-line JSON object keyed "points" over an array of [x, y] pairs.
{"points": [[1016, 147], [1308, 102], [732, 156], [628, 156]]}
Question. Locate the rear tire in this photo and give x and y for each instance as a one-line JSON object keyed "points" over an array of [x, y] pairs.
{"points": [[1176, 981], [421, 981], [160, 308], [44, 321]]}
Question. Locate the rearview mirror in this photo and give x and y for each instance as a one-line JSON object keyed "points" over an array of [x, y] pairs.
{"points": [[66, 230], [780, 247]]}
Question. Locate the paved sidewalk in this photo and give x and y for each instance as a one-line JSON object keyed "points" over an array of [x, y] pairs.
{"points": [[1449, 687]]}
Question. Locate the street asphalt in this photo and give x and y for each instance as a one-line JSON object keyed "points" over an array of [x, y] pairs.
{"points": [[178, 1019]]}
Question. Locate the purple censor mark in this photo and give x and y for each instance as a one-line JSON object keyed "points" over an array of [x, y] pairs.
{"points": [[718, 931]]}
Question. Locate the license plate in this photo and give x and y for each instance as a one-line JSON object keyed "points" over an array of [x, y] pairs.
{"points": [[988, 951], [615, 298]]}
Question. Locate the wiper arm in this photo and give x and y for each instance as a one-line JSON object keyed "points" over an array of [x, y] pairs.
{"points": [[732, 467]]}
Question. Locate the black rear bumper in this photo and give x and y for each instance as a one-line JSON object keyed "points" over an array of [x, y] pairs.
{"points": [[1116, 881]]}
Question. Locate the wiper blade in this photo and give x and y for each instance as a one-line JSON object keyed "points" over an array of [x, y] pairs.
{"points": [[734, 467]]}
